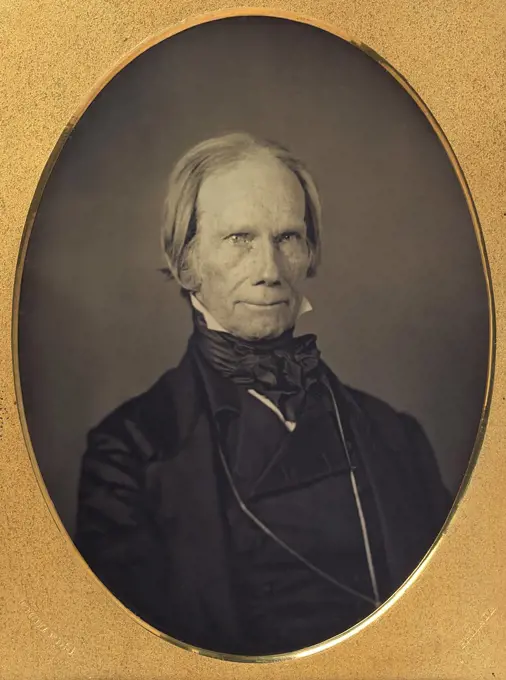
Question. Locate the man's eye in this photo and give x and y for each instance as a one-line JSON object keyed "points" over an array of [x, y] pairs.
{"points": [[240, 237], [289, 236]]}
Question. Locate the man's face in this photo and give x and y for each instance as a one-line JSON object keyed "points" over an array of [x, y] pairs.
{"points": [[251, 254]]}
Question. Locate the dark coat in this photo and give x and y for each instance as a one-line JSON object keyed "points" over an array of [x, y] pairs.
{"points": [[151, 526]]}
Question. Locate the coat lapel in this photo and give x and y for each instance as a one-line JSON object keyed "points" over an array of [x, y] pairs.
{"points": [[390, 481], [185, 484]]}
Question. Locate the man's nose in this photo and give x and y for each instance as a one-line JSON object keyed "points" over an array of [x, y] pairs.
{"points": [[268, 270]]}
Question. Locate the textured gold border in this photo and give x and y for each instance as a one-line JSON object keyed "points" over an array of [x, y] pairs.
{"points": [[31, 213], [26, 237]]}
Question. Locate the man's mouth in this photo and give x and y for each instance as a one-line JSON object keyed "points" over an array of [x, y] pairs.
{"points": [[274, 303]]}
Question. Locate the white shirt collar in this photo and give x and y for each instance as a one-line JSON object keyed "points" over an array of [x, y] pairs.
{"points": [[213, 325], [211, 322]]}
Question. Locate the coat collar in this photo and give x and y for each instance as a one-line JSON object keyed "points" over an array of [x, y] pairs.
{"points": [[176, 404], [222, 394]]}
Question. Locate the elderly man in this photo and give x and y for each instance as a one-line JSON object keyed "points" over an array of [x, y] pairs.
{"points": [[249, 502]]}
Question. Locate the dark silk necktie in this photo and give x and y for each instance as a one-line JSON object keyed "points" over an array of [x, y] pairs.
{"points": [[282, 369]]}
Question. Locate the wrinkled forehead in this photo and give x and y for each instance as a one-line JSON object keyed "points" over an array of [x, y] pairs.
{"points": [[257, 188]]}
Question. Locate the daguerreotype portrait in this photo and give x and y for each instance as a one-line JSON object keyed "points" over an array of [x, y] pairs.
{"points": [[253, 336]]}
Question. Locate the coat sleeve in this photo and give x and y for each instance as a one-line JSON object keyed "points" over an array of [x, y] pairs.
{"points": [[115, 532]]}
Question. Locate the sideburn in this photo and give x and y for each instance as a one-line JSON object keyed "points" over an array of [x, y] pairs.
{"points": [[188, 269]]}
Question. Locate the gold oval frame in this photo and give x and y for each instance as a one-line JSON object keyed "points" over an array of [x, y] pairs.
{"points": [[26, 234]]}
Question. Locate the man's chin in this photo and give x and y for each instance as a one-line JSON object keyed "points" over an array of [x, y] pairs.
{"points": [[254, 322], [263, 331]]}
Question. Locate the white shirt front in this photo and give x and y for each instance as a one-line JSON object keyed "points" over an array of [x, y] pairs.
{"points": [[213, 325]]}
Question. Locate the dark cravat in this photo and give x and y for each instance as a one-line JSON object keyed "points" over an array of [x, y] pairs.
{"points": [[282, 369]]}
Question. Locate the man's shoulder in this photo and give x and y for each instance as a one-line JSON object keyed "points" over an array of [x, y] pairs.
{"points": [[394, 425], [404, 437], [372, 405], [152, 415], [138, 406]]}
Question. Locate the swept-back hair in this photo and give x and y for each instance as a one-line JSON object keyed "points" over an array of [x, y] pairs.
{"points": [[180, 207]]}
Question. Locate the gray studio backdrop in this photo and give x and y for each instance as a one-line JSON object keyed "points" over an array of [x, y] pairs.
{"points": [[400, 305]]}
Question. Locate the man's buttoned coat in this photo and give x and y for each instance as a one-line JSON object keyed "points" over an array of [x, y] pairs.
{"points": [[151, 523]]}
